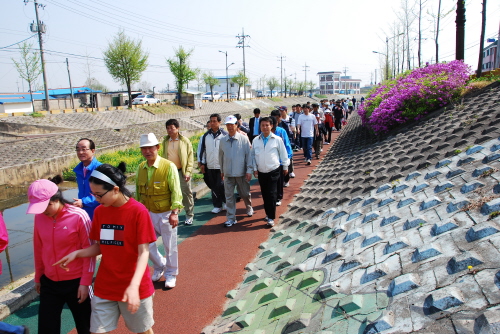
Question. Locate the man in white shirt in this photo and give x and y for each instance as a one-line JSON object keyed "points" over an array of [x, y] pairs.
{"points": [[268, 150], [308, 129]]}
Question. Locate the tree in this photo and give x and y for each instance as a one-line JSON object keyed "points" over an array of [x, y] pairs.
{"points": [[436, 21], [272, 83], [300, 87], [126, 61], [288, 85], [481, 42], [144, 86], [183, 73], [199, 79], [310, 85], [29, 67], [211, 81], [94, 84], [241, 80]]}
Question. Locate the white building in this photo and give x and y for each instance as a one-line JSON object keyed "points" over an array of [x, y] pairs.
{"points": [[224, 82], [333, 83]]}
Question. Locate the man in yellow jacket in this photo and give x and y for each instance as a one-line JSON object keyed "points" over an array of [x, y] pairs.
{"points": [[179, 150], [158, 188]]}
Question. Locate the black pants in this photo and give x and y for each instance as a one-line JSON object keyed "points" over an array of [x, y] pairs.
{"points": [[338, 124], [214, 182], [346, 115], [268, 188], [328, 135], [279, 185], [53, 296]]}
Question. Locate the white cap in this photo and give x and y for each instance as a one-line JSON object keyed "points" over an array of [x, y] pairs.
{"points": [[148, 140], [231, 120]]}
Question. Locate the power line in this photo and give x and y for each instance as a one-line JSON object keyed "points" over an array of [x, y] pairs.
{"points": [[18, 42]]}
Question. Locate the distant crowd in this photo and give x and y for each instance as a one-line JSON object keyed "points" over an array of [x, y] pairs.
{"points": [[106, 219]]}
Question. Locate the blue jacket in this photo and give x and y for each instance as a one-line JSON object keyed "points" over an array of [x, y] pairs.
{"points": [[88, 201], [280, 132]]}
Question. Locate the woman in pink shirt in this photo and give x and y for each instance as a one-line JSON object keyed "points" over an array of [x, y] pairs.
{"points": [[60, 228]]}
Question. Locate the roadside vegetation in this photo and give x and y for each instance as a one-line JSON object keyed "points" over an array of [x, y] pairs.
{"points": [[164, 109], [132, 157], [413, 94]]}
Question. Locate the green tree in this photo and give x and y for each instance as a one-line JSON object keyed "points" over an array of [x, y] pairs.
{"points": [[272, 83], [95, 84], [199, 79], [241, 80], [211, 81], [28, 66], [310, 86], [126, 61], [300, 87], [183, 73], [288, 85]]}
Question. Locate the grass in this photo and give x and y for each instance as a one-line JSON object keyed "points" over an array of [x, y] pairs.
{"points": [[35, 114], [275, 99], [164, 109], [320, 96], [132, 157]]}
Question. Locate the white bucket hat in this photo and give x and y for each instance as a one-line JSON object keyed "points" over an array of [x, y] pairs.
{"points": [[231, 120], [148, 140]]}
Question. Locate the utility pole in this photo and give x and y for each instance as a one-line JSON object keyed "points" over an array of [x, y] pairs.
{"points": [[70, 86], [40, 28], [241, 44], [345, 82], [280, 59], [305, 71], [481, 43], [460, 34]]}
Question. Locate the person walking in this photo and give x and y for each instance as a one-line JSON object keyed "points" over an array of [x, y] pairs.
{"points": [[123, 230], [354, 102], [236, 169], [282, 133], [288, 123], [308, 128], [268, 150], [158, 188], [179, 150], [60, 228], [208, 162], [85, 151], [254, 125], [328, 125], [338, 114]]}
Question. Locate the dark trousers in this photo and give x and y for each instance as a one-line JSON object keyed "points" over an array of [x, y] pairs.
{"points": [[307, 143], [268, 188], [214, 182], [338, 124], [53, 296], [318, 145], [328, 135], [346, 115], [279, 185]]}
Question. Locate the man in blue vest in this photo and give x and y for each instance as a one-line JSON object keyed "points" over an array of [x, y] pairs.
{"points": [[85, 151]]}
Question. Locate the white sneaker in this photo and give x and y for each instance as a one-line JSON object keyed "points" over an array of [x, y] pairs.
{"points": [[229, 223], [189, 221], [250, 212], [308, 161], [224, 207], [156, 275], [170, 281], [278, 203], [270, 222], [287, 184], [266, 219], [292, 175], [326, 143], [216, 210]]}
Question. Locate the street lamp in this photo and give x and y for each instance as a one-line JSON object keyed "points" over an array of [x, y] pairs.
{"points": [[227, 76], [386, 64]]}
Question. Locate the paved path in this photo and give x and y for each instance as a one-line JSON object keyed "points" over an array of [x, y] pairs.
{"points": [[212, 260]]}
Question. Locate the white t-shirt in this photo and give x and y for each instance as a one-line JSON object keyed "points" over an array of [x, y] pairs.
{"points": [[307, 123]]}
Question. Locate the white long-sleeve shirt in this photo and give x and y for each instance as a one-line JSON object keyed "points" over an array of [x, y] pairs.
{"points": [[266, 158]]}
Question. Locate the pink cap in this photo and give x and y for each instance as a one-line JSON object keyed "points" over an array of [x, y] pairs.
{"points": [[39, 194]]}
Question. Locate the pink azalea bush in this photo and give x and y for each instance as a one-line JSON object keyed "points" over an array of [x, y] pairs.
{"points": [[412, 95]]}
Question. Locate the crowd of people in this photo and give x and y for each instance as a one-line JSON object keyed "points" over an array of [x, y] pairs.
{"points": [[107, 219]]}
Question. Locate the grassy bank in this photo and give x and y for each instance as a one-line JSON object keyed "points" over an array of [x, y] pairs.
{"points": [[132, 157]]}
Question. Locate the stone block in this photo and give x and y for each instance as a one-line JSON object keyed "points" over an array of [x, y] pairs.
{"points": [[456, 205], [276, 258], [481, 230], [443, 163], [231, 294], [474, 149], [443, 227], [412, 176], [352, 303], [491, 206], [371, 239], [369, 201], [491, 157], [443, 187], [262, 284], [432, 202], [370, 217], [348, 265], [269, 296], [372, 273], [352, 235], [432, 175], [282, 308], [480, 171], [399, 188], [425, 252], [333, 255], [489, 282], [317, 250], [414, 222], [234, 307], [315, 278], [353, 216], [389, 220], [454, 173], [384, 323], [405, 202], [385, 202], [250, 267], [254, 276], [295, 325], [55, 112], [328, 290], [464, 261], [267, 252], [471, 186], [443, 299], [296, 270], [245, 320], [488, 322], [403, 284]]}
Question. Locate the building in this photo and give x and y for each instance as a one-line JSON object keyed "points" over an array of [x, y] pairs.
{"points": [[224, 85], [333, 83], [490, 57]]}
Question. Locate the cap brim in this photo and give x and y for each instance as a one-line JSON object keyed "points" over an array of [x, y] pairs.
{"points": [[38, 207], [230, 123]]}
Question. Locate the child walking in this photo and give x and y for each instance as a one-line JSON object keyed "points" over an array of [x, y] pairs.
{"points": [[60, 228], [123, 230]]}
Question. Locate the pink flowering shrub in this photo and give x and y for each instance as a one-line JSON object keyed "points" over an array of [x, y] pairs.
{"points": [[412, 95]]}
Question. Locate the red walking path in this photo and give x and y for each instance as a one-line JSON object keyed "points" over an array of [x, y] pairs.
{"points": [[212, 261]]}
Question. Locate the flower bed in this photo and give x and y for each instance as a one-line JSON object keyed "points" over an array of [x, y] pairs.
{"points": [[412, 95]]}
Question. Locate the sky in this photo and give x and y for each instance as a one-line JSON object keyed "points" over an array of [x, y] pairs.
{"points": [[325, 35]]}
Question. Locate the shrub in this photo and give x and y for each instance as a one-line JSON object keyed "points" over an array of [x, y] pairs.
{"points": [[412, 95], [320, 96]]}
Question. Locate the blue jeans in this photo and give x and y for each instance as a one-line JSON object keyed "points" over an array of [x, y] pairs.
{"points": [[307, 143]]}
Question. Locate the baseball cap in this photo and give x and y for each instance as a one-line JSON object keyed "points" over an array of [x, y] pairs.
{"points": [[282, 108], [231, 120], [148, 140], [39, 194]]}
